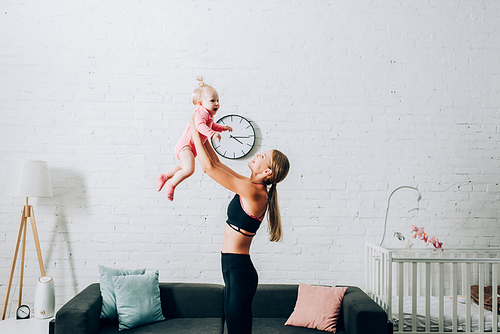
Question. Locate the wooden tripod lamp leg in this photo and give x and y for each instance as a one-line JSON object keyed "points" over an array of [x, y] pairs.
{"points": [[37, 242], [23, 255], [22, 223]]}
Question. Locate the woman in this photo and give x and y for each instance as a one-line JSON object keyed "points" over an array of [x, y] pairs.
{"points": [[245, 213]]}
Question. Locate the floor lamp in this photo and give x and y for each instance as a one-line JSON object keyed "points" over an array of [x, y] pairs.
{"points": [[26, 178]]}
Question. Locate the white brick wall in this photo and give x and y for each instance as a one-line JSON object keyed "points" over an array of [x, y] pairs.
{"points": [[363, 96]]}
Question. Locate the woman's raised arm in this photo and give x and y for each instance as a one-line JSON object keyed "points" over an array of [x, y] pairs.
{"points": [[219, 172]]}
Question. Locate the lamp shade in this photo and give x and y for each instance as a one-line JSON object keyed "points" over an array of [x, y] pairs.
{"points": [[28, 178]]}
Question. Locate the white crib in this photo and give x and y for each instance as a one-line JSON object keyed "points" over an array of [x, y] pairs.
{"points": [[431, 290]]}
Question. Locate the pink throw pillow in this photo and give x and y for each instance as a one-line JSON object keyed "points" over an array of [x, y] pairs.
{"points": [[317, 307]]}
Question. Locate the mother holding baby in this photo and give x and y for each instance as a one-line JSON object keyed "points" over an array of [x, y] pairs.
{"points": [[255, 195]]}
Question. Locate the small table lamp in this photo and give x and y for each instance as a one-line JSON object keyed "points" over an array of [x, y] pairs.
{"points": [[26, 178]]}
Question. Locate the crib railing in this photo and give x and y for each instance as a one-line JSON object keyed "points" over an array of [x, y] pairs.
{"points": [[426, 273]]}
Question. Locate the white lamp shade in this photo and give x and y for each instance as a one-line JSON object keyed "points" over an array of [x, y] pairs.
{"points": [[28, 178]]}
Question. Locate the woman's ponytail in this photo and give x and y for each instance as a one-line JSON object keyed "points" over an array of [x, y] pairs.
{"points": [[279, 167], [274, 217]]}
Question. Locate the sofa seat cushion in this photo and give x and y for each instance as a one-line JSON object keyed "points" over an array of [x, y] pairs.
{"points": [[277, 326], [174, 326]]}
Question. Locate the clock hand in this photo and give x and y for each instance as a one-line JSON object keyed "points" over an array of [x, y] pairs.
{"points": [[239, 141], [240, 136]]}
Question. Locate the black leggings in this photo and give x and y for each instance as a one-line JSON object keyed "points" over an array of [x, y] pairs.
{"points": [[240, 278]]}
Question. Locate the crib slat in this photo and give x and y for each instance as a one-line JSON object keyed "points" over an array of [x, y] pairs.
{"points": [[475, 270], [376, 278], [441, 296], [373, 274], [368, 271], [377, 274], [407, 277], [454, 294], [494, 294], [427, 296], [481, 296], [486, 271], [400, 297], [389, 285], [464, 270], [381, 276], [414, 297], [467, 275]]}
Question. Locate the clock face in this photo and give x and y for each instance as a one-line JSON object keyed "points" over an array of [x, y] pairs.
{"points": [[23, 312], [239, 142]]}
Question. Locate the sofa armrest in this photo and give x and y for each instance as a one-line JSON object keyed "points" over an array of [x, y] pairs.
{"points": [[361, 314], [81, 315]]}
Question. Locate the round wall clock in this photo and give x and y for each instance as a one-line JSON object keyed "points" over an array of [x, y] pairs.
{"points": [[239, 142]]}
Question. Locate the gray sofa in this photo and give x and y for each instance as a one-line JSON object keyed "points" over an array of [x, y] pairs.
{"points": [[198, 308]]}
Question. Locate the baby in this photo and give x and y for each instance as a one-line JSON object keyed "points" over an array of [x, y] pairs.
{"points": [[206, 100]]}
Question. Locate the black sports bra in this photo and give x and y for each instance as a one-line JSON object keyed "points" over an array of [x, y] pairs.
{"points": [[238, 219]]}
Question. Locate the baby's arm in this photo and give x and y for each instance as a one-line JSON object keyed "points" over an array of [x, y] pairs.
{"points": [[218, 127], [224, 128], [201, 121]]}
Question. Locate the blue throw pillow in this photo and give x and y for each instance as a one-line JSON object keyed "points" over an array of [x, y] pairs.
{"points": [[108, 309], [137, 300]]}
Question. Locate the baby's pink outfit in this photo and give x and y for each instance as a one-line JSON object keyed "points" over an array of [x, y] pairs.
{"points": [[206, 127]]}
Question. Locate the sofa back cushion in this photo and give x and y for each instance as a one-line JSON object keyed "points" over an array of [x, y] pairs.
{"points": [[274, 300], [192, 300]]}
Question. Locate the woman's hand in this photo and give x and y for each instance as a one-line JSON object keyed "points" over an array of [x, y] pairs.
{"points": [[192, 124], [217, 136]]}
